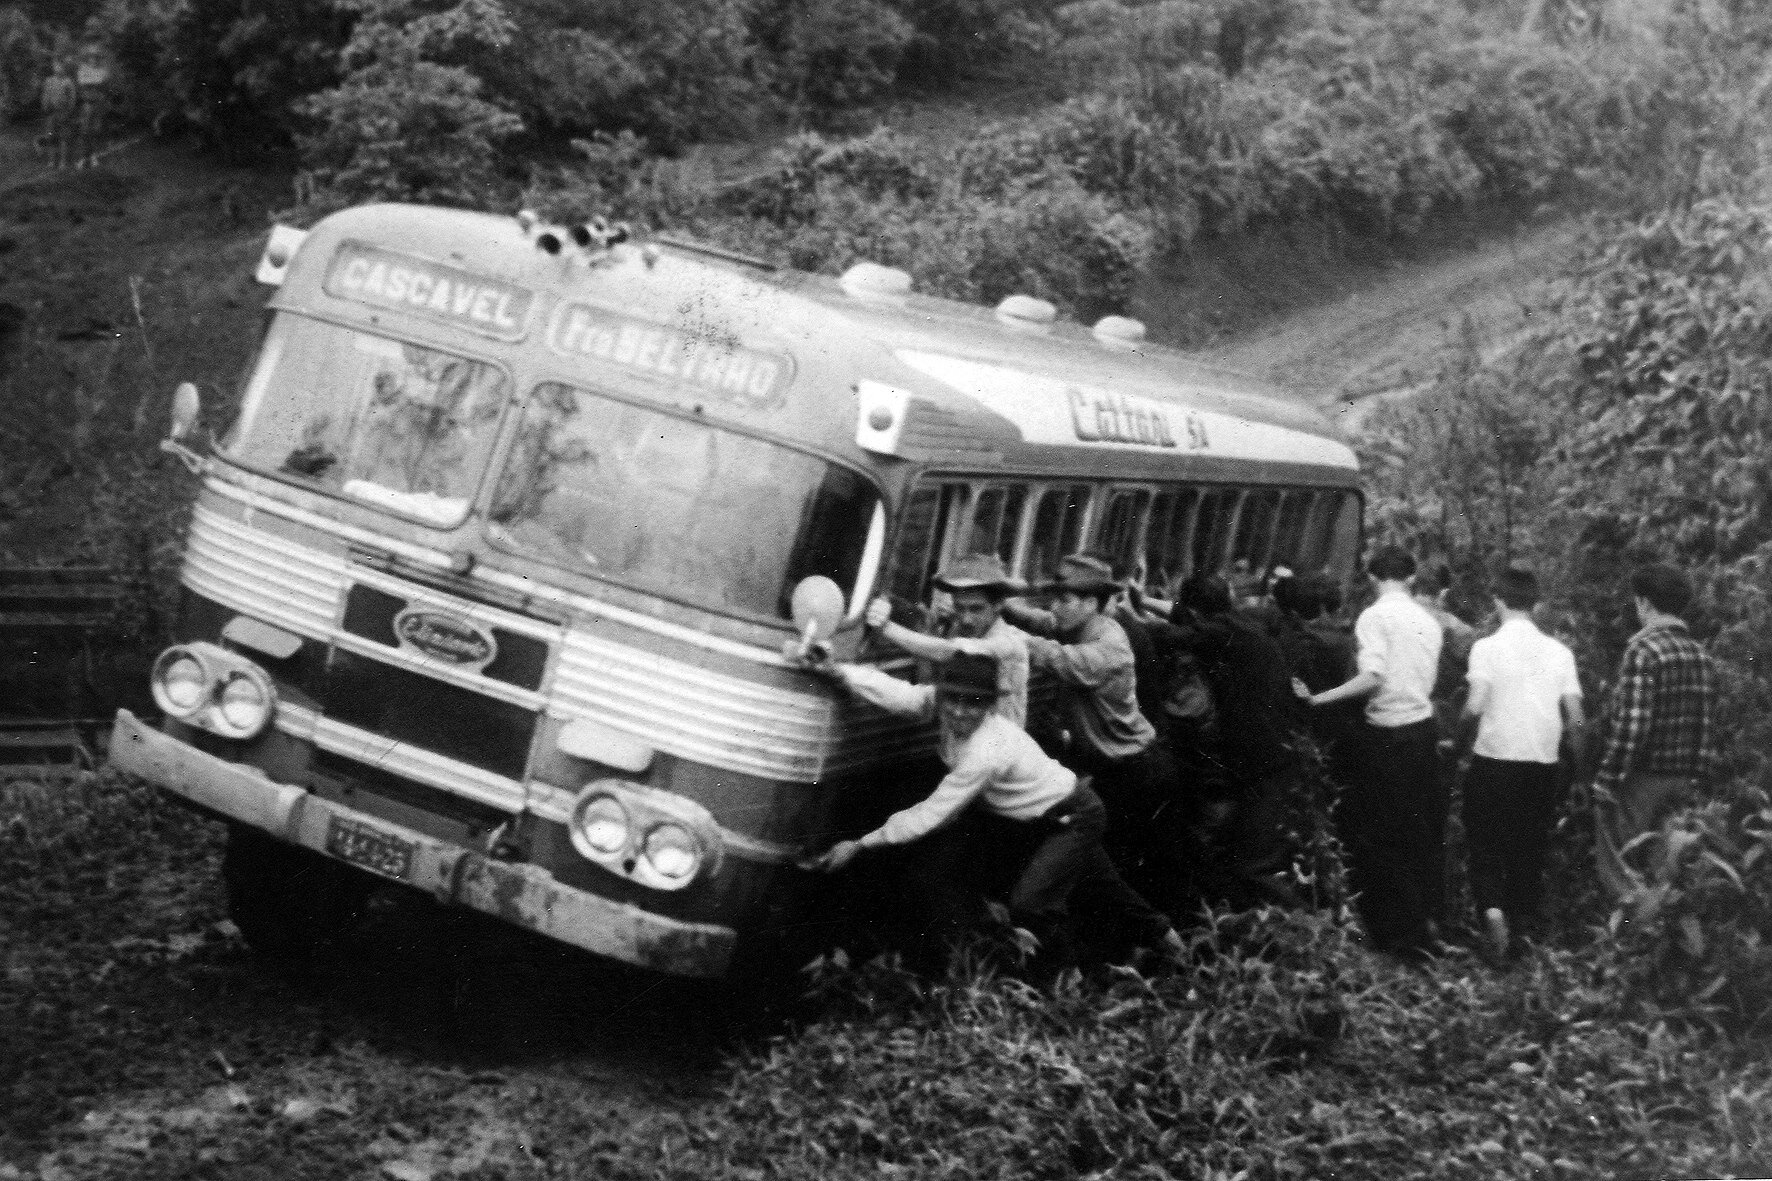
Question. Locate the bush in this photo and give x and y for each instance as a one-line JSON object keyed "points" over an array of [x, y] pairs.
{"points": [[1288, 1052], [406, 123]]}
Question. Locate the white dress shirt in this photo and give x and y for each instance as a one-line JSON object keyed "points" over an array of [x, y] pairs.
{"points": [[1400, 643], [1528, 674]]}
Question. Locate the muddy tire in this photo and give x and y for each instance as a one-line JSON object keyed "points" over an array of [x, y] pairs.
{"points": [[290, 904]]}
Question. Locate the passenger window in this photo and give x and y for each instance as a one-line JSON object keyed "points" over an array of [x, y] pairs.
{"points": [[996, 521], [1344, 534], [1058, 528], [952, 512], [1211, 526], [1289, 540], [1255, 531], [1166, 537], [1119, 533], [916, 536]]}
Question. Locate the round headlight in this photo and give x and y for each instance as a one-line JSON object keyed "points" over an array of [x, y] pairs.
{"points": [[601, 828], [672, 852], [244, 704], [184, 682]]}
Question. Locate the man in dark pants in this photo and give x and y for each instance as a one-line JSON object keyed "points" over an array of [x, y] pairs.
{"points": [[1392, 813], [1088, 654], [1251, 689], [1034, 838], [1524, 697], [1320, 653]]}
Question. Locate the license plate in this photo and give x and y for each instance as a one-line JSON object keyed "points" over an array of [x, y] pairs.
{"points": [[369, 847]]}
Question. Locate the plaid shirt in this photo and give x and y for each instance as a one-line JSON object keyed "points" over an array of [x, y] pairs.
{"points": [[1659, 716]]}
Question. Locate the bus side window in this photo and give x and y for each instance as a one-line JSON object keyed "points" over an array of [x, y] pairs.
{"points": [[1255, 530], [1118, 535], [1211, 527], [917, 523], [996, 520], [1289, 535], [1058, 528], [1166, 539], [1343, 533]]}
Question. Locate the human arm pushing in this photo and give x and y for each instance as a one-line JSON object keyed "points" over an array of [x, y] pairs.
{"points": [[958, 788], [918, 644]]}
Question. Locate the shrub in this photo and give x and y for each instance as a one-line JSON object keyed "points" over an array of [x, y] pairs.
{"points": [[406, 124], [232, 69], [831, 54]]}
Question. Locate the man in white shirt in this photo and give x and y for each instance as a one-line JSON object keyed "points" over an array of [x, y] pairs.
{"points": [[1392, 812], [1042, 836], [1524, 696]]}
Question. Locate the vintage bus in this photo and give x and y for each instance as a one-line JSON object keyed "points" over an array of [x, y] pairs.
{"points": [[487, 588]]}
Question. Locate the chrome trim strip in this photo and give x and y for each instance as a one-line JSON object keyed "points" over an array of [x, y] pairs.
{"points": [[400, 758], [254, 500]]}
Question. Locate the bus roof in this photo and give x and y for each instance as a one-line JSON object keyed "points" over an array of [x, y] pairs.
{"points": [[768, 348]]}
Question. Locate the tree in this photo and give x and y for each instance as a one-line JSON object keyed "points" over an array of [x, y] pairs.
{"points": [[411, 121]]}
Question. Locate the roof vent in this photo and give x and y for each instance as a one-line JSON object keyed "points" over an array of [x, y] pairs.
{"points": [[870, 280], [1024, 311], [1119, 331]]}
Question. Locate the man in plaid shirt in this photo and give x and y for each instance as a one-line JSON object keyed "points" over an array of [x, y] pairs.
{"points": [[1661, 738]]}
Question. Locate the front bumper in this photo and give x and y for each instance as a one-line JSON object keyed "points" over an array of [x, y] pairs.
{"points": [[525, 895]]}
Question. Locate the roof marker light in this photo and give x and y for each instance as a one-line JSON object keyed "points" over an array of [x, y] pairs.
{"points": [[1119, 331], [880, 416], [870, 280], [1026, 312], [526, 219]]}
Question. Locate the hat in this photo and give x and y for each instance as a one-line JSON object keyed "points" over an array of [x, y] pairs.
{"points": [[976, 572], [968, 673], [1084, 576]]}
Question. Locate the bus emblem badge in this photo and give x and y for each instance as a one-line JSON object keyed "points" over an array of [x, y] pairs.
{"points": [[445, 637]]}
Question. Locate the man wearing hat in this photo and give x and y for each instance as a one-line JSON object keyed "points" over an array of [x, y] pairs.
{"points": [[976, 585], [1039, 832], [1089, 655]]}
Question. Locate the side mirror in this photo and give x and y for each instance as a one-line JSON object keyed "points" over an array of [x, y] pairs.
{"points": [[186, 406], [817, 606]]}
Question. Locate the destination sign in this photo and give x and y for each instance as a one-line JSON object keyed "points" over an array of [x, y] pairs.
{"points": [[1099, 416], [714, 364], [386, 279]]}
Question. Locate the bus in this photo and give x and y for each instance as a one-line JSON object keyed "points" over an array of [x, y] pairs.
{"points": [[492, 588]]}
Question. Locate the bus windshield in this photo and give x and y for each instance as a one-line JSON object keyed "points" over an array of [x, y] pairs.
{"points": [[400, 426], [675, 505]]}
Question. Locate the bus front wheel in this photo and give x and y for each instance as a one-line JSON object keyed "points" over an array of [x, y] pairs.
{"points": [[289, 903]]}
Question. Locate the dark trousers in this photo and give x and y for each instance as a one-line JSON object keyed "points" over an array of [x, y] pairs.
{"points": [[1149, 829], [1510, 809], [1392, 818], [1255, 844], [1048, 871]]}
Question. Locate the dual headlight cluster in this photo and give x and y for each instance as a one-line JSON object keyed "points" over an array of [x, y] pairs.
{"points": [[208, 686], [616, 825]]}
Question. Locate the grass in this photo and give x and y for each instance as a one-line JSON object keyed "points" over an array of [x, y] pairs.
{"points": [[138, 1039]]}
